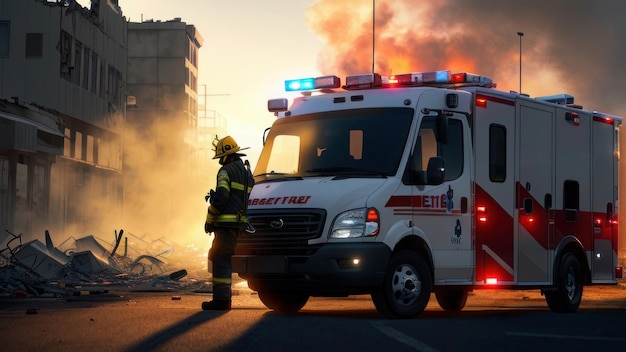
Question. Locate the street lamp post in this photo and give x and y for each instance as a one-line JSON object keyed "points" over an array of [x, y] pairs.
{"points": [[520, 34], [373, 31]]}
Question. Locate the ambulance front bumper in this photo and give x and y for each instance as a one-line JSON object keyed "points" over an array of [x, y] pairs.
{"points": [[348, 268]]}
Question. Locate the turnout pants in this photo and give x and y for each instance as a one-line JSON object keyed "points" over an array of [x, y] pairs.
{"points": [[221, 253]]}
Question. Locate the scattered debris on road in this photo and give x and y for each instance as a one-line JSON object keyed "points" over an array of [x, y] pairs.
{"points": [[86, 266]]}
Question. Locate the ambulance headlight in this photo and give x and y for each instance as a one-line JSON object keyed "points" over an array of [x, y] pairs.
{"points": [[363, 222]]}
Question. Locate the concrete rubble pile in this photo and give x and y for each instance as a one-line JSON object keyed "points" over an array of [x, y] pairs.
{"points": [[85, 265]]}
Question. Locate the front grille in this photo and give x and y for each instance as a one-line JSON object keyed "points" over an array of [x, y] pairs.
{"points": [[282, 232]]}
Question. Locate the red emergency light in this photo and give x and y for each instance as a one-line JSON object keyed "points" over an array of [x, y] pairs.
{"points": [[460, 77], [392, 80], [481, 213], [599, 117]]}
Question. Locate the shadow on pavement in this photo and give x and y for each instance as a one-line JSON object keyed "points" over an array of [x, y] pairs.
{"points": [[158, 339]]}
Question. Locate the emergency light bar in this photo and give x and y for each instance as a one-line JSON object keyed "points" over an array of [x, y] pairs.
{"points": [[444, 77], [418, 77], [303, 84], [374, 80], [368, 80]]}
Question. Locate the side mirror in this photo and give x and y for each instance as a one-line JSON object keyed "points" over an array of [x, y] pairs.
{"points": [[265, 133], [436, 172]]}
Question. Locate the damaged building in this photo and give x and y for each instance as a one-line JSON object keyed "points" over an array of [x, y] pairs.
{"points": [[83, 94], [62, 107]]}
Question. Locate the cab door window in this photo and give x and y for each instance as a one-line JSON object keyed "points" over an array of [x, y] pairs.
{"points": [[427, 147]]}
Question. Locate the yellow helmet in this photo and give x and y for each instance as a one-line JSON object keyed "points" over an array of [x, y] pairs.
{"points": [[225, 146]]}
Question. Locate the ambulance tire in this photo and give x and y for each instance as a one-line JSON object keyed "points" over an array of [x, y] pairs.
{"points": [[451, 298], [569, 286], [283, 302], [406, 288]]}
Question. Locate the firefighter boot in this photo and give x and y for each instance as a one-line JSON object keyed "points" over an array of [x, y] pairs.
{"points": [[216, 305], [221, 297]]}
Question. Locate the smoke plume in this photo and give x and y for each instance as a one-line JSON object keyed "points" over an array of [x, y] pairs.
{"points": [[568, 46]]}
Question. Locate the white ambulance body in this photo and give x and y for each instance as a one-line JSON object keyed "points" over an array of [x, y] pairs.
{"points": [[430, 182]]}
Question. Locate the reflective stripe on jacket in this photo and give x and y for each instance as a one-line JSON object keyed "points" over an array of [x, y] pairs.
{"points": [[229, 195]]}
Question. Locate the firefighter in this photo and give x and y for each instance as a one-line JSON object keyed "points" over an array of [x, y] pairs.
{"points": [[226, 217]]}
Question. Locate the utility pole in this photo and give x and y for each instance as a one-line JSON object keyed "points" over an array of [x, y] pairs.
{"points": [[520, 34], [373, 31]]}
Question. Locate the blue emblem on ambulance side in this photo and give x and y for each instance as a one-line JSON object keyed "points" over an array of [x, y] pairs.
{"points": [[458, 232], [449, 196]]}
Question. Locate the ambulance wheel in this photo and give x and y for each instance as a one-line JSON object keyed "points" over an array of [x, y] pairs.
{"points": [[569, 286], [451, 298], [283, 302], [406, 287]]}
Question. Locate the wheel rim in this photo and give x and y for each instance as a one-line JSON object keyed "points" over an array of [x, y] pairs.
{"points": [[570, 286], [405, 285]]}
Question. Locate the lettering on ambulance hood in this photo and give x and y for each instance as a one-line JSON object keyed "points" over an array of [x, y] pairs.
{"points": [[423, 204], [279, 200]]}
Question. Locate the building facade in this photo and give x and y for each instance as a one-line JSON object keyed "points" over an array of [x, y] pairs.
{"points": [[161, 169], [62, 102]]}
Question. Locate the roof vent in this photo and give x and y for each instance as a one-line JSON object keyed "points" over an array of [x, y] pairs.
{"points": [[562, 99]]}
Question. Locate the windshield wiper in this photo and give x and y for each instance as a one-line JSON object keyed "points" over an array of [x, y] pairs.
{"points": [[280, 176], [344, 169], [272, 174]]}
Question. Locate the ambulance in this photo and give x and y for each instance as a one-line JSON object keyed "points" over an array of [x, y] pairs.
{"points": [[430, 182]]}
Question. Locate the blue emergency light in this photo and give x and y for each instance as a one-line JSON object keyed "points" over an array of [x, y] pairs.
{"points": [[294, 85], [303, 84]]}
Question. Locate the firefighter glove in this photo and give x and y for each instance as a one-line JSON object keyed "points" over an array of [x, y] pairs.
{"points": [[208, 227], [208, 196], [210, 219]]}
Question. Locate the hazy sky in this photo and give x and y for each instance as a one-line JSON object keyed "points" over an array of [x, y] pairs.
{"points": [[250, 47]]}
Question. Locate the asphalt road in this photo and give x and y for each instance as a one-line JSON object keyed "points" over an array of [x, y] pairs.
{"points": [[162, 320]]}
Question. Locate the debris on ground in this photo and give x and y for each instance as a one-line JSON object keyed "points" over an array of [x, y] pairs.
{"points": [[86, 266]]}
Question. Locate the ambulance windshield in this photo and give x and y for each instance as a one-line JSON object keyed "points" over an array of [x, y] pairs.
{"points": [[347, 143]]}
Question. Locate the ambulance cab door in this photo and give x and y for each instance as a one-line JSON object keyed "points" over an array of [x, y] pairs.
{"points": [[440, 208]]}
